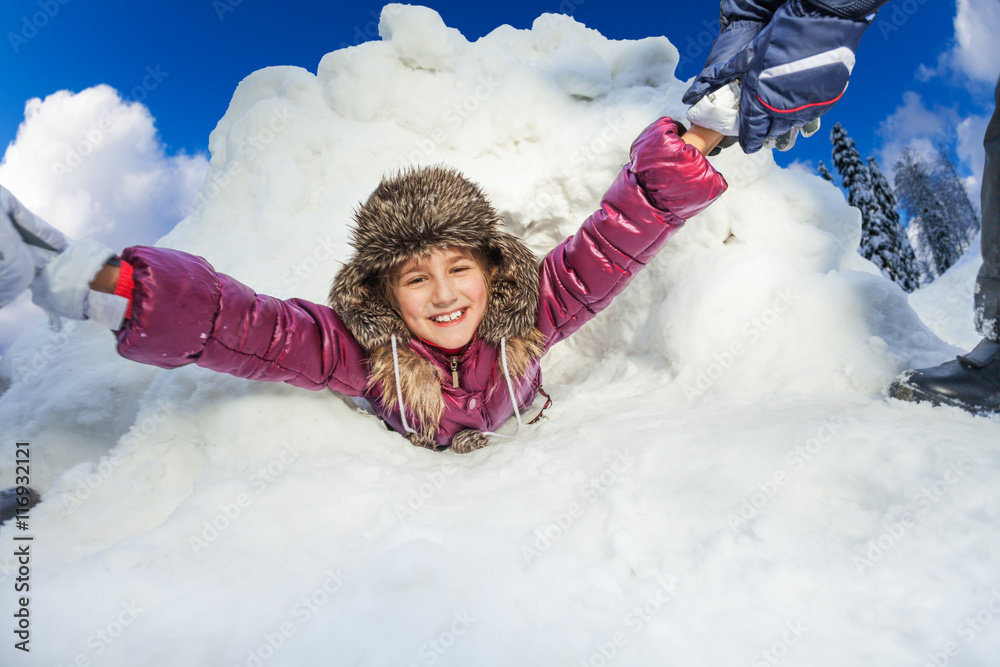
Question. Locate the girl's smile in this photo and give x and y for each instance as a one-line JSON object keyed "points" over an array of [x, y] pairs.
{"points": [[449, 319]]}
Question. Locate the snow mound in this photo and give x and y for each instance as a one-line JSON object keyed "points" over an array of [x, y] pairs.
{"points": [[946, 305], [720, 460]]}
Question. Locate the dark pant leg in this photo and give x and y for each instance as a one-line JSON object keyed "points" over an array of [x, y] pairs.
{"points": [[987, 299]]}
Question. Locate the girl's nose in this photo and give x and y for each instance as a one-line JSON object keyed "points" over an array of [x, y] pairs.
{"points": [[443, 292]]}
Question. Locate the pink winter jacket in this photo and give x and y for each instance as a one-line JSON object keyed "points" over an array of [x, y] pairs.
{"points": [[184, 312]]}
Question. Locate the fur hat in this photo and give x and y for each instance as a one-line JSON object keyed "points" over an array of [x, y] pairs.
{"points": [[410, 214]]}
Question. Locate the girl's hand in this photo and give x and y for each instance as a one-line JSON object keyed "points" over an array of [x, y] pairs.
{"points": [[63, 286], [702, 138], [106, 279]]}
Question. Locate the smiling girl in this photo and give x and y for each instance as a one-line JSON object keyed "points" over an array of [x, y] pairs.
{"points": [[439, 319]]}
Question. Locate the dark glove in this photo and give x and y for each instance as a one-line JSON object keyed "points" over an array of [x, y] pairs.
{"points": [[741, 21], [800, 67], [792, 71]]}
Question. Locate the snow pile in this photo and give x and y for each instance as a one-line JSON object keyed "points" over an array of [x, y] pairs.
{"points": [[946, 305], [720, 460]]}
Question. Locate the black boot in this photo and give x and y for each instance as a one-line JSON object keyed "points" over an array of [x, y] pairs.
{"points": [[10, 502], [970, 382]]}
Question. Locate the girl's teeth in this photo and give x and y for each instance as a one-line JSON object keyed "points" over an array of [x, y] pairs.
{"points": [[449, 318]]}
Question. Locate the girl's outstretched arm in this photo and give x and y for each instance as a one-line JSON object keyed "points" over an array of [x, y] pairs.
{"points": [[667, 181], [184, 312], [187, 313]]}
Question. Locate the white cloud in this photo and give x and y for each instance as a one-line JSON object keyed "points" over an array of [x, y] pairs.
{"points": [[974, 56], [915, 118], [94, 166], [972, 61], [916, 126], [977, 49], [805, 166]]}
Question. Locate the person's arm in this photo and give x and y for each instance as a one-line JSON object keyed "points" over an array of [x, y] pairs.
{"points": [[667, 181], [57, 269], [183, 312], [17, 266], [702, 138], [789, 62]]}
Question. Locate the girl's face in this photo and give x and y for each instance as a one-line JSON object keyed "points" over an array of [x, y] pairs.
{"points": [[442, 297]]}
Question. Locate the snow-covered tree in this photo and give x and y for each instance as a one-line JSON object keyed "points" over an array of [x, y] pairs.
{"points": [[901, 260], [939, 241], [880, 240], [955, 199], [854, 176], [925, 261], [824, 172]]}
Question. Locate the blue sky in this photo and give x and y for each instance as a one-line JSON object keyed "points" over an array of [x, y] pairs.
{"points": [[184, 59]]}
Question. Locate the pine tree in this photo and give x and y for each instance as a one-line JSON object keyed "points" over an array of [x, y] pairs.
{"points": [[899, 255], [878, 241], [964, 219], [917, 189], [853, 174], [925, 261], [824, 172]]}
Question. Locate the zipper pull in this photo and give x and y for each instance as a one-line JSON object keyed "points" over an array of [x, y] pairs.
{"points": [[454, 372]]}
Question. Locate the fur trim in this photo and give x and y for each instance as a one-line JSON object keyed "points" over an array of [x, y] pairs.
{"points": [[425, 441], [413, 213], [468, 441], [420, 380], [522, 351]]}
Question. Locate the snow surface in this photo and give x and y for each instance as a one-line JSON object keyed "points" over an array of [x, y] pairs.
{"points": [[946, 305], [720, 481]]}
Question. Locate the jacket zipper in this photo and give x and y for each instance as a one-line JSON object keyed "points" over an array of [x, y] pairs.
{"points": [[454, 372]]}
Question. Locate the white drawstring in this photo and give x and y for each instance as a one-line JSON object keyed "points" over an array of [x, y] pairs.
{"points": [[399, 388], [510, 388], [506, 374]]}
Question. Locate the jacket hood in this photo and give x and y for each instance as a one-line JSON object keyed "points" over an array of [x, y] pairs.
{"points": [[412, 213]]}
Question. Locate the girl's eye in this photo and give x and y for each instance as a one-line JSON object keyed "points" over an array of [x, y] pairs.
{"points": [[459, 269], [415, 281]]}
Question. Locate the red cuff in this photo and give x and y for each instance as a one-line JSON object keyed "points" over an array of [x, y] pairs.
{"points": [[124, 285]]}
